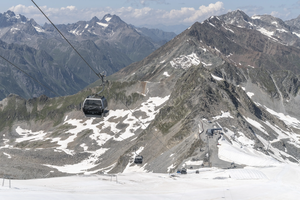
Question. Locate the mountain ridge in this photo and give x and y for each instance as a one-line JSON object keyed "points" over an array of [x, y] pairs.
{"points": [[106, 45], [214, 75]]}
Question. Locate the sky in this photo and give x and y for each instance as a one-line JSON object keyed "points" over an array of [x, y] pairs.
{"points": [[151, 12]]}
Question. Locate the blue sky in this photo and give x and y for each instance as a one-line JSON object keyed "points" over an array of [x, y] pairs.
{"points": [[139, 12]]}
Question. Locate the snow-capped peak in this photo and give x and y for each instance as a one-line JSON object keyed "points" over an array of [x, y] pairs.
{"points": [[108, 19]]}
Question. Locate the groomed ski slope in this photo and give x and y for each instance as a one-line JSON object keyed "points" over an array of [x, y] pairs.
{"points": [[277, 182]]}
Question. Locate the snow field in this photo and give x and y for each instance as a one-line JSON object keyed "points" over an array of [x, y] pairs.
{"points": [[243, 155], [288, 120], [256, 125], [280, 182]]}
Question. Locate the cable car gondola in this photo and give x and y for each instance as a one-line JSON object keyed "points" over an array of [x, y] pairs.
{"points": [[94, 106], [138, 159]]}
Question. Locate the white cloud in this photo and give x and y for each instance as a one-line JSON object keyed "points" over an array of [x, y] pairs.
{"points": [[69, 8], [275, 13], [24, 9], [146, 2], [282, 15], [191, 15], [136, 16]]}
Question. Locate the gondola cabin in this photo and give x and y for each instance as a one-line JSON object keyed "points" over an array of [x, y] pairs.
{"points": [[183, 171], [94, 106], [138, 159]]}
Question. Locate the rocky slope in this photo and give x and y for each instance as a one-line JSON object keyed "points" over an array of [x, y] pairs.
{"points": [[214, 75], [270, 26]]}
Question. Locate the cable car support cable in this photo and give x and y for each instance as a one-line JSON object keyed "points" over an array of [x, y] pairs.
{"points": [[101, 76], [98, 74]]}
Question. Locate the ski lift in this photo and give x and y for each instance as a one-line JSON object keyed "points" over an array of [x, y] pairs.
{"points": [[138, 159], [93, 105], [183, 171]]}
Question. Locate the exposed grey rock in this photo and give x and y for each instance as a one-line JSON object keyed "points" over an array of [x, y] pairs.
{"points": [[214, 75]]}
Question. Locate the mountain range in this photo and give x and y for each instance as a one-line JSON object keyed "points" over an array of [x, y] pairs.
{"points": [[224, 93], [107, 45]]}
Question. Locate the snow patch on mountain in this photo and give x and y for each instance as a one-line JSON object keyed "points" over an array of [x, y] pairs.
{"points": [[211, 24], [256, 125], [288, 120], [266, 32], [7, 15], [101, 132], [250, 23], [84, 146], [6, 143], [216, 77], [166, 74], [296, 34], [171, 167], [185, 62], [228, 29], [102, 24], [38, 29], [108, 19], [14, 30], [28, 135], [75, 32], [223, 115], [191, 162], [281, 133], [8, 155], [282, 30], [205, 64], [250, 94], [256, 17], [92, 32], [84, 165], [275, 23], [244, 155]]}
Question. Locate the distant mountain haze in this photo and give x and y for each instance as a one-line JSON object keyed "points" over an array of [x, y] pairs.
{"points": [[108, 45]]}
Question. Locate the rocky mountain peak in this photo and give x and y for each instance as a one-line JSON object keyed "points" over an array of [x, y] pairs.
{"points": [[108, 17], [239, 13], [236, 17], [9, 14], [94, 19], [112, 19], [294, 22], [270, 26], [9, 18], [271, 21]]}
